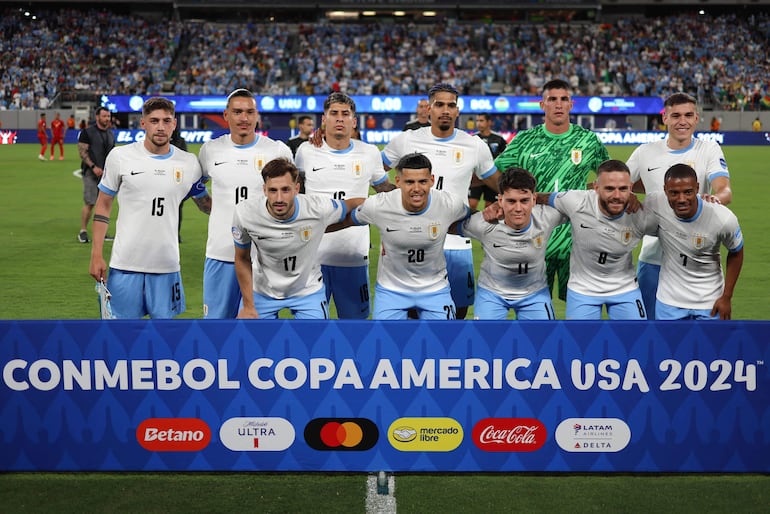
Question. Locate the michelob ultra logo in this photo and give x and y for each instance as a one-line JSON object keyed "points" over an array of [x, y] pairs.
{"points": [[425, 434]]}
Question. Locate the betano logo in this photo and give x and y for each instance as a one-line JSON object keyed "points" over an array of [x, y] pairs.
{"points": [[509, 434], [586, 435], [257, 434], [425, 434], [341, 434], [173, 434]]}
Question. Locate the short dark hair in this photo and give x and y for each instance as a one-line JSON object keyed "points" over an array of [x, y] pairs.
{"points": [[442, 87], [100, 109], [339, 98], [611, 165], [278, 168], [556, 84], [679, 99], [485, 115], [517, 178], [302, 118], [414, 161], [678, 171], [157, 102]]}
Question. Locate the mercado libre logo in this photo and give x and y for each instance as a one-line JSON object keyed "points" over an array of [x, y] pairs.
{"points": [[173, 434], [341, 434], [509, 434], [425, 434], [586, 435]]}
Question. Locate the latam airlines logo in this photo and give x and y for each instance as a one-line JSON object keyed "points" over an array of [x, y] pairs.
{"points": [[341, 434], [256, 434], [593, 435], [509, 434], [425, 434], [173, 434]]}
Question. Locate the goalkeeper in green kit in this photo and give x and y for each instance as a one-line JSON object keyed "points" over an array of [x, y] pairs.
{"points": [[560, 155]]}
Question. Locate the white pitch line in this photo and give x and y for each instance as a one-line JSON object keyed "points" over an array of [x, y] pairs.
{"points": [[380, 503]]}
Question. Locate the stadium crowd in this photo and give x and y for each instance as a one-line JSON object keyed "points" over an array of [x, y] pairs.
{"points": [[722, 60]]}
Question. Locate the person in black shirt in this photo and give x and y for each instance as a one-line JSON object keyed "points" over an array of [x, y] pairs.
{"points": [[496, 145]]}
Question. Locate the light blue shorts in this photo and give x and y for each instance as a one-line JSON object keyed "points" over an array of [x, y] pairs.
{"points": [[647, 276], [459, 267], [394, 305], [221, 293], [536, 306], [312, 306], [135, 294], [664, 311], [349, 286], [627, 306]]}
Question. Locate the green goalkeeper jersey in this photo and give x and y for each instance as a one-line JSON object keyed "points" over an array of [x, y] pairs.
{"points": [[559, 162]]}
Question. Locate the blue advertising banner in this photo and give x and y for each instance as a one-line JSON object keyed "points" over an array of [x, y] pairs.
{"points": [[284, 395]]}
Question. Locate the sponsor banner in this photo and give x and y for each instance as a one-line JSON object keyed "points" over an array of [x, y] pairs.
{"points": [[284, 395]]}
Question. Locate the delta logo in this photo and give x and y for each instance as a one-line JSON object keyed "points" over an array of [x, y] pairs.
{"points": [[509, 434], [341, 434], [173, 434], [593, 435], [425, 434], [257, 434]]}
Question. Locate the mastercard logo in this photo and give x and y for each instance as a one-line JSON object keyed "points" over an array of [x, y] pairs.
{"points": [[341, 434]]}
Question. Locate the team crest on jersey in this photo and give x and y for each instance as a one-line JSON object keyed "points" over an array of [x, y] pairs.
{"points": [[433, 230], [305, 233], [259, 162], [698, 241], [358, 168], [457, 155], [625, 235], [178, 175], [538, 240], [576, 155]]}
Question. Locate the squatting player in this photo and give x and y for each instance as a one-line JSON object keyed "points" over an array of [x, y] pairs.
{"points": [[560, 155]]}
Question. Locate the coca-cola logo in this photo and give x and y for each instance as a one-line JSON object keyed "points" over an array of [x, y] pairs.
{"points": [[509, 434]]}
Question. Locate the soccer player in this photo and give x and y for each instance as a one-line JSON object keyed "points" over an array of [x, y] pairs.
{"points": [[691, 232], [233, 163], [512, 273], [604, 236], [94, 143], [560, 155], [286, 229], [423, 113], [456, 156], [649, 163], [42, 136], [496, 145], [306, 125], [343, 168], [150, 179], [413, 223], [57, 136]]}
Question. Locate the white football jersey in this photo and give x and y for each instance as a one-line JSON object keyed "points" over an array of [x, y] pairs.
{"points": [[691, 272], [601, 261], [455, 159], [149, 190], [342, 174], [514, 260], [286, 249], [650, 161], [236, 175], [412, 244]]}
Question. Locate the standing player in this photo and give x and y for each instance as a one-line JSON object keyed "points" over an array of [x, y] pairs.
{"points": [[305, 124], [285, 229], [649, 163], [423, 112], [234, 164], [604, 236], [691, 232], [413, 223], [150, 178], [343, 168], [496, 145], [94, 143], [560, 155], [455, 156], [42, 136], [512, 273], [57, 136]]}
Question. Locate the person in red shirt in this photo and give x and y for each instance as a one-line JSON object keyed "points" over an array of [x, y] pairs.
{"points": [[57, 136], [42, 136]]}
